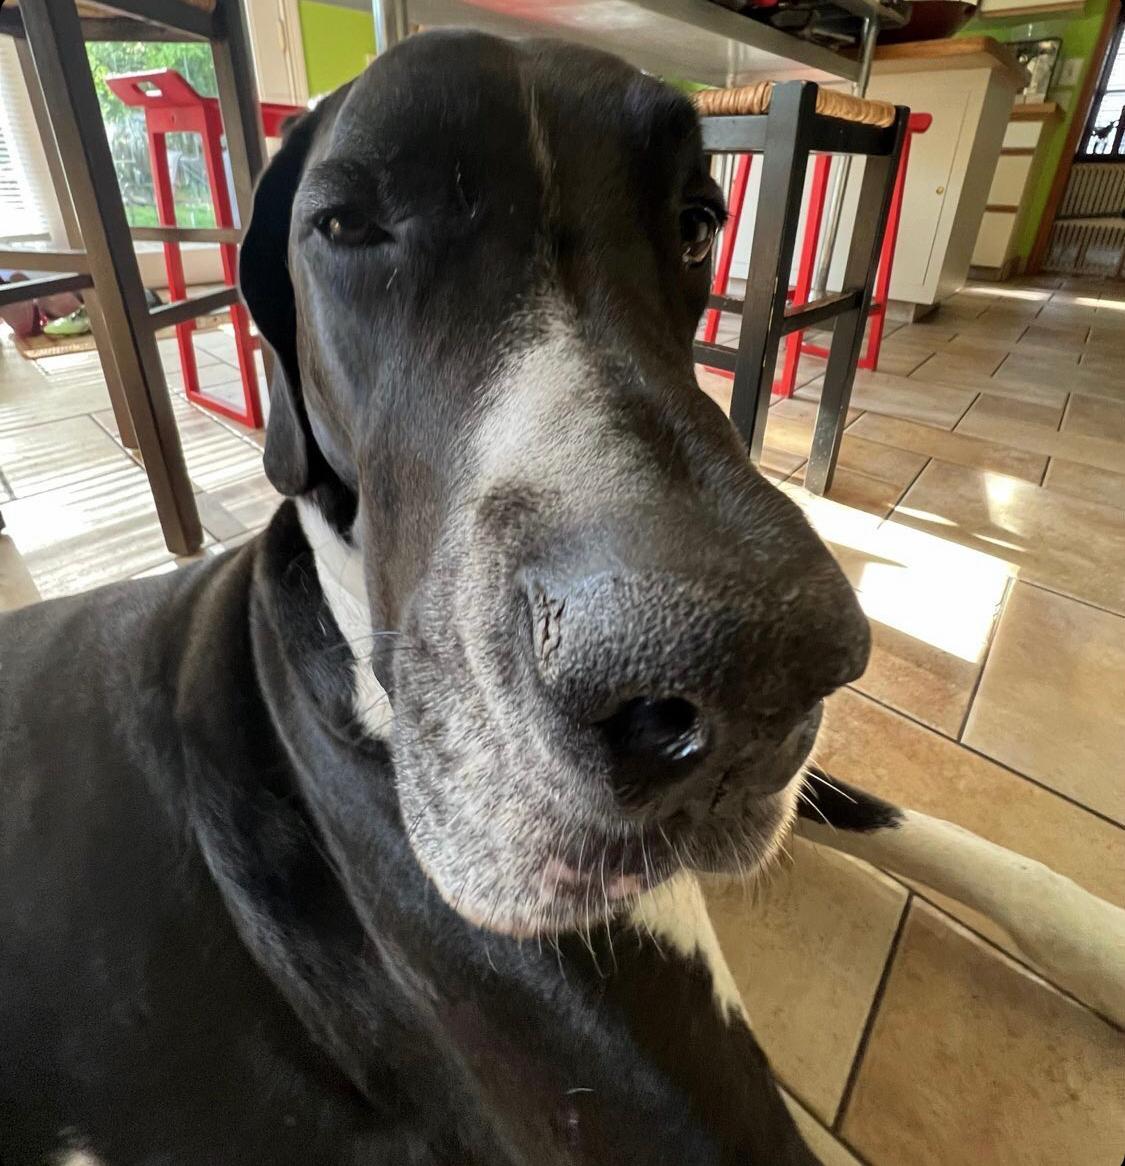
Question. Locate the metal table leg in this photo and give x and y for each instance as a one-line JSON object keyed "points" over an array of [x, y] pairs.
{"points": [[843, 166], [54, 35], [390, 23]]}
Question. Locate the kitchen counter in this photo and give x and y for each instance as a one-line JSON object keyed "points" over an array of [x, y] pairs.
{"points": [[688, 39]]}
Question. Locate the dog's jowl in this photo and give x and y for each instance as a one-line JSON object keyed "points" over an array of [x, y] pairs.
{"points": [[374, 841]]}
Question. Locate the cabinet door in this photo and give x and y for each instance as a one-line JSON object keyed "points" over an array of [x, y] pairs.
{"points": [[929, 178], [279, 56]]}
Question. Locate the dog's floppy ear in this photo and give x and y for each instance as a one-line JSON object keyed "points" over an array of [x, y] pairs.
{"points": [[292, 461]]}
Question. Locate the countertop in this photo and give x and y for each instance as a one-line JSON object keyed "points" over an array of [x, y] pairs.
{"points": [[690, 39], [965, 52]]}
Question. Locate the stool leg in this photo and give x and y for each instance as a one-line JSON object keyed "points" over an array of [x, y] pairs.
{"points": [[730, 237], [54, 36], [847, 337], [878, 317], [74, 240], [173, 259], [815, 214], [771, 259]]}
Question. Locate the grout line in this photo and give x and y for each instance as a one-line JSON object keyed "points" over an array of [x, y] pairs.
{"points": [[872, 1015], [1065, 411], [807, 1109], [944, 736], [980, 393], [1073, 598], [906, 490], [993, 631]]}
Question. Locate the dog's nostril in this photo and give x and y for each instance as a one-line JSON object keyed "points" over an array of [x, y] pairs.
{"points": [[666, 733]]}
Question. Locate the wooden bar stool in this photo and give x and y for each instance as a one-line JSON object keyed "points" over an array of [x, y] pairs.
{"points": [[50, 36], [788, 123]]}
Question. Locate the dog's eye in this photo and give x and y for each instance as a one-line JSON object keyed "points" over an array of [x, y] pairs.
{"points": [[349, 228], [698, 227]]}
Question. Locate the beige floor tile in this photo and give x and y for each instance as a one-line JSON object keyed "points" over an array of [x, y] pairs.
{"points": [[17, 588], [1101, 365], [1096, 417], [1007, 410], [1023, 371], [1086, 482], [827, 1149], [1056, 335], [249, 501], [27, 403], [807, 958], [210, 375], [1051, 701], [918, 678], [996, 334], [959, 369], [901, 354], [992, 420], [909, 398], [869, 475], [889, 755], [57, 455], [87, 534], [974, 1060], [1068, 544], [950, 447]]}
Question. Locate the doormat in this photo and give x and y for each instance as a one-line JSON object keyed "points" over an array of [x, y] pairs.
{"points": [[41, 346]]}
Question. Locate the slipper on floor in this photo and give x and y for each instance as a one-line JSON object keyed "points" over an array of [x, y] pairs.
{"points": [[76, 324]]}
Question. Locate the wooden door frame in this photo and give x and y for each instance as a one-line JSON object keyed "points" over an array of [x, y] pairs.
{"points": [[1073, 137]]}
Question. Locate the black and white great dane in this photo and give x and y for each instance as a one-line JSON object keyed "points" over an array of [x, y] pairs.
{"points": [[374, 840]]}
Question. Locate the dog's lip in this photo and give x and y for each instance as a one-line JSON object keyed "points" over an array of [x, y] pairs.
{"points": [[562, 881]]}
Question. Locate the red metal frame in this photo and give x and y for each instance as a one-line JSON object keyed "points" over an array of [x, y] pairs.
{"points": [[795, 345], [730, 235], [171, 105]]}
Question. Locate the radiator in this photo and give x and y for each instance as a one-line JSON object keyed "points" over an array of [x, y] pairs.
{"points": [[1094, 188], [1086, 247]]}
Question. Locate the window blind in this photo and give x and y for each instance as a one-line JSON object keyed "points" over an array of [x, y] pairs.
{"points": [[26, 197]]}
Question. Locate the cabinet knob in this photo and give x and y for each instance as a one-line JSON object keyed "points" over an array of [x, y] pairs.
{"points": [[940, 190]]}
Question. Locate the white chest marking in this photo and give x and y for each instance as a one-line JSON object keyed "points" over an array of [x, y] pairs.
{"points": [[339, 567], [676, 913]]}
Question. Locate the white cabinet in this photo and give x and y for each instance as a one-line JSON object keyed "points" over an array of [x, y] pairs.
{"points": [[995, 254]]}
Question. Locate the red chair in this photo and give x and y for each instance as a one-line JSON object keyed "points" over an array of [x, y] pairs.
{"points": [[795, 345], [171, 105]]}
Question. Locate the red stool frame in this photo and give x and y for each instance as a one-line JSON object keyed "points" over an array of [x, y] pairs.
{"points": [[171, 105], [795, 345]]}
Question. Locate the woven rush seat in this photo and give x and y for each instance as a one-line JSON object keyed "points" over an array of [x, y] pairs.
{"points": [[755, 99], [91, 10]]}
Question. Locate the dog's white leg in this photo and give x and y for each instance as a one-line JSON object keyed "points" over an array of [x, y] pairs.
{"points": [[1076, 938]]}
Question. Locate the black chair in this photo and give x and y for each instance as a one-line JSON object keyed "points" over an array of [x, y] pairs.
{"points": [[786, 123]]}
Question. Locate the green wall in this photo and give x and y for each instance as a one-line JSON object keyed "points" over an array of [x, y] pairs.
{"points": [[337, 43], [1079, 33]]}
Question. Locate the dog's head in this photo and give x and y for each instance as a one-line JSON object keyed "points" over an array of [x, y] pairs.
{"points": [[481, 267]]}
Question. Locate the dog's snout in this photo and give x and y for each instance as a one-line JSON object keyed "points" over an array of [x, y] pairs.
{"points": [[672, 678]]}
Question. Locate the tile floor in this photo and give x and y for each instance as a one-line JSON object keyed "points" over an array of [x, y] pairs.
{"points": [[979, 510]]}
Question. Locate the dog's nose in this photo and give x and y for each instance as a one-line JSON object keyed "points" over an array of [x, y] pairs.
{"points": [[655, 741], [673, 678]]}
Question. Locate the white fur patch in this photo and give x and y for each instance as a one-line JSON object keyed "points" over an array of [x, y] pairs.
{"points": [[1077, 939], [339, 567], [676, 913]]}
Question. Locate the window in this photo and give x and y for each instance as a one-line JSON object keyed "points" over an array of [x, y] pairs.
{"points": [[27, 210], [1104, 139]]}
